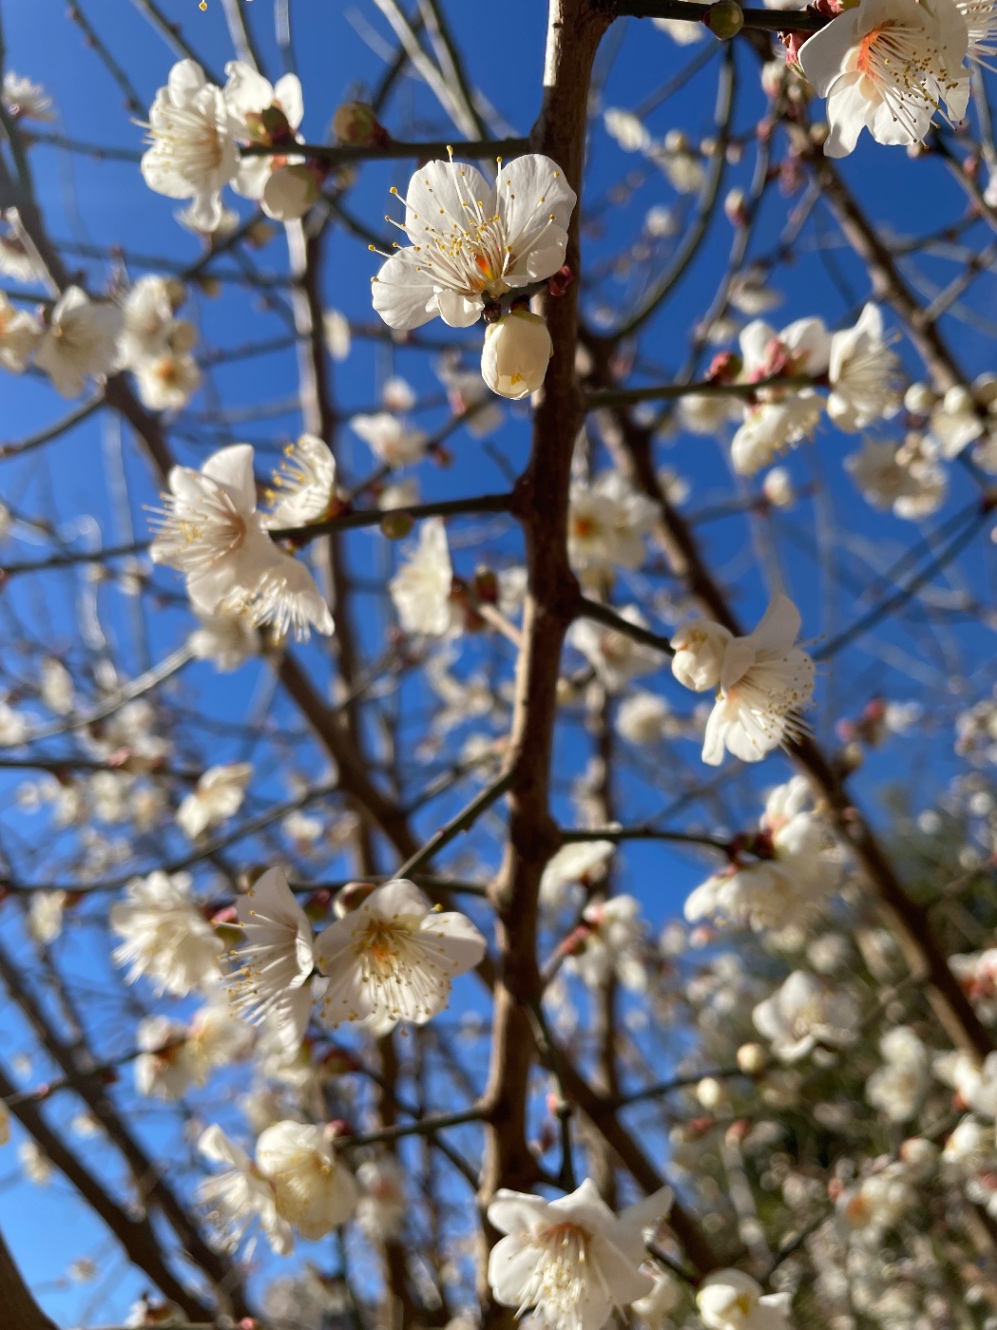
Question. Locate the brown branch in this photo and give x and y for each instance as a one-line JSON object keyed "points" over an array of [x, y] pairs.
{"points": [[20, 1310]]}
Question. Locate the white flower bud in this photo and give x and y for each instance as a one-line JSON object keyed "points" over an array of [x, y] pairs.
{"points": [[778, 488], [515, 355], [712, 1093], [919, 399], [289, 193], [699, 651], [752, 1058]]}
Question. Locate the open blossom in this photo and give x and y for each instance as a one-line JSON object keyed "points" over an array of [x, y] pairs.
{"points": [[218, 794], [312, 1191], [864, 374], [909, 479], [764, 681], [276, 960], [571, 1260], [304, 487], [421, 589], [80, 341], [974, 1082], [611, 945], [390, 438], [888, 66], [614, 655], [20, 334], [779, 417], [24, 100], [176, 1056], [211, 531], [168, 381], [225, 639], [515, 355], [607, 522], [804, 1012], [239, 1195], [265, 114], [732, 1300], [577, 864], [794, 872], [148, 314], [394, 958], [166, 936], [471, 241], [193, 154]]}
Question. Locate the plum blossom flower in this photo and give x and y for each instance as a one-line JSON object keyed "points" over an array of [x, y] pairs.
{"points": [[764, 681], [176, 1056], [239, 1195], [390, 438], [571, 1260], [193, 154], [574, 864], [515, 355], [699, 646], [166, 936], [265, 114], [888, 66], [908, 479], [805, 1012], [304, 486], [383, 1203], [794, 872], [974, 1082], [218, 795], [898, 1086], [24, 100], [607, 522], [471, 242], [226, 639], [421, 589], [732, 1300], [610, 944], [864, 374], [614, 655], [313, 1192], [277, 959], [148, 314], [168, 381], [779, 417], [210, 530], [394, 958], [20, 334], [80, 341]]}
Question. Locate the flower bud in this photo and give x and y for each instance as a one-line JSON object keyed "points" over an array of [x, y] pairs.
{"points": [[778, 488], [699, 651], [724, 18], [919, 399], [751, 1058], [711, 1093], [289, 193], [357, 124], [515, 355]]}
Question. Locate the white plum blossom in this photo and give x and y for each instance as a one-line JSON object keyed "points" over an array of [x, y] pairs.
{"points": [[515, 355], [615, 656], [304, 487], [607, 522], [864, 374], [148, 318], [24, 100], [226, 639], [804, 1012], [210, 530], [888, 66], [168, 381], [645, 718], [421, 589], [574, 864], [313, 1192], [654, 1308], [176, 1056], [908, 479], [570, 1261], [276, 960], [732, 1300], [974, 1082], [193, 154], [794, 871], [383, 1203], [166, 936], [472, 242], [394, 958], [264, 114], [956, 421], [898, 1086], [778, 417], [80, 341], [764, 680], [610, 943], [239, 1195], [390, 438], [218, 795]]}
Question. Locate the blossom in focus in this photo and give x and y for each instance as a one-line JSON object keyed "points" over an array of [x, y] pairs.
{"points": [[421, 589], [515, 354], [218, 794], [732, 1300], [805, 1012], [210, 530], [24, 100], [304, 488], [276, 960], [80, 341], [313, 1192], [193, 154], [166, 936], [471, 242], [779, 417], [394, 958], [264, 114], [888, 66], [864, 374], [698, 648], [570, 1261]]}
